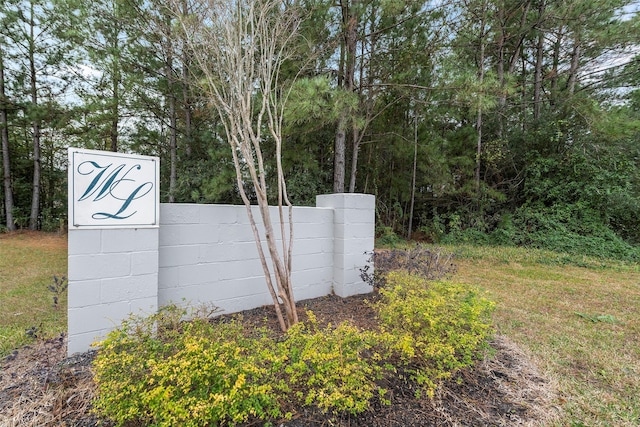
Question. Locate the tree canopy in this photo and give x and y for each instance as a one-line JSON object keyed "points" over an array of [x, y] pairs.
{"points": [[495, 121]]}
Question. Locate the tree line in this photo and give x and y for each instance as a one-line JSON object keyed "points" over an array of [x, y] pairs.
{"points": [[498, 121]]}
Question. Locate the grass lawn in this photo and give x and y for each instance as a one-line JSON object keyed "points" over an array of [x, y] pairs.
{"points": [[28, 262], [578, 318]]}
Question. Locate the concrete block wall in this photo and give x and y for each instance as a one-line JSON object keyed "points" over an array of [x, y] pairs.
{"points": [[112, 272], [207, 254], [353, 237]]}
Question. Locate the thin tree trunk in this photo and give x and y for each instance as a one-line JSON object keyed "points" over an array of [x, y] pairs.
{"points": [[537, 75], [413, 176], [354, 159], [115, 88], [113, 132], [357, 134], [502, 101], [523, 93], [339, 155], [35, 122], [6, 164], [173, 146], [185, 90], [369, 162], [537, 78], [350, 21], [256, 234], [187, 109], [523, 35], [575, 63], [481, 81], [187, 114], [554, 70], [478, 149], [173, 135]]}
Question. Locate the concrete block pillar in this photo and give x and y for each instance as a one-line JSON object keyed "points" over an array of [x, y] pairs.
{"points": [[353, 238], [112, 273]]}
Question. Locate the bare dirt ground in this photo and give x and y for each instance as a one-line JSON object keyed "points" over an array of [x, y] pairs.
{"points": [[39, 386]]}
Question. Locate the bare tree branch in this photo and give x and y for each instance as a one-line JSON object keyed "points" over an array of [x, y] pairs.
{"points": [[239, 46]]}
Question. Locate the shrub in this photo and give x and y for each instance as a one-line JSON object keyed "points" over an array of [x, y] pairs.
{"points": [[331, 368], [386, 236], [436, 327], [163, 371], [160, 371], [571, 228]]}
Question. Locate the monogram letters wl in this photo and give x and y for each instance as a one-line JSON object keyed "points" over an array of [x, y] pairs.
{"points": [[115, 181], [113, 190]]}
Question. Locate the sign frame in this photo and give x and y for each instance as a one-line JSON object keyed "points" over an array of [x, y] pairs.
{"points": [[109, 190]]}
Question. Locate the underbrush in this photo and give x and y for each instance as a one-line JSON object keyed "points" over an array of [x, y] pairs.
{"points": [[162, 371], [573, 229]]}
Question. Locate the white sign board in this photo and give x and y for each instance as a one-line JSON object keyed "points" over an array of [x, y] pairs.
{"points": [[113, 190]]}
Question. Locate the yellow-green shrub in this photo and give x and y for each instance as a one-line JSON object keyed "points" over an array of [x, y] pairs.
{"points": [[332, 368], [435, 328], [161, 372]]}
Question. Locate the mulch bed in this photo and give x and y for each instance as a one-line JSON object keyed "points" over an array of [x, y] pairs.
{"points": [[40, 386]]}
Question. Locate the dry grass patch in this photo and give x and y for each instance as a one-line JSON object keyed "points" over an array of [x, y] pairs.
{"points": [[39, 387], [578, 318]]}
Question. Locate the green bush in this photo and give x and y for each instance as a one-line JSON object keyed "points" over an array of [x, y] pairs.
{"points": [[331, 368], [385, 236], [436, 328], [160, 371], [572, 228], [163, 371]]}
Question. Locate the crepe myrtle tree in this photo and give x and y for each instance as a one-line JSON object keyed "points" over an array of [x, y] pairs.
{"points": [[238, 48]]}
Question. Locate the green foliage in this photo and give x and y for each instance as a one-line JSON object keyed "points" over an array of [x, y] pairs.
{"points": [[162, 371], [571, 228], [331, 368], [437, 327], [387, 237], [584, 201], [314, 102]]}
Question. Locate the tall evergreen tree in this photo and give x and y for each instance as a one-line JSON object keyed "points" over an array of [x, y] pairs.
{"points": [[4, 132], [39, 36]]}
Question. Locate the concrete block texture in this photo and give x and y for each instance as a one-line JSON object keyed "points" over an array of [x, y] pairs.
{"points": [[179, 214], [84, 293], [98, 266], [129, 240], [207, 254], [354, 233], [84, 242], [112, 272], [128, 288], [347, 201]]}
